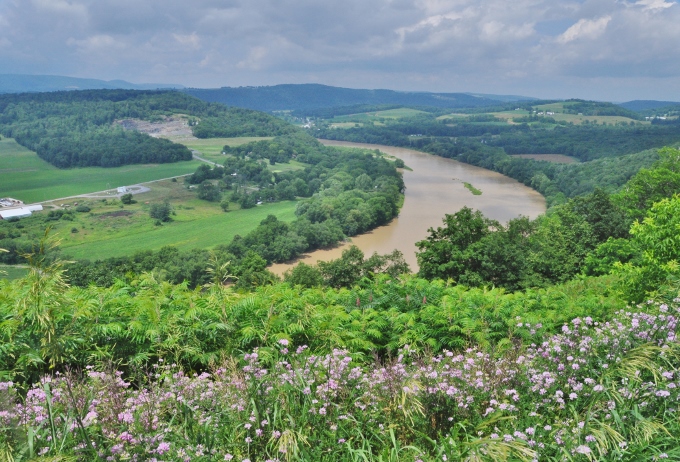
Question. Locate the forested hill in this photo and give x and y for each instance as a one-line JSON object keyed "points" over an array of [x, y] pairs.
{"points": [[76, 128], [314, 96], [20, 83]]}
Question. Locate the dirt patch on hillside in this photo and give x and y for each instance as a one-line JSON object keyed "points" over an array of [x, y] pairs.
{"points": [[173, 126], [118, 213]]}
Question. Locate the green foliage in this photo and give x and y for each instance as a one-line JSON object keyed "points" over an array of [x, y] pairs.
{"points": [[125, 199], [77, 129], [160, 211], [657, 239], [209, 192]]}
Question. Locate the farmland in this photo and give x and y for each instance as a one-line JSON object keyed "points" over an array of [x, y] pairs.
{"points": [[24, 176], [211, 148], [112, 234]]}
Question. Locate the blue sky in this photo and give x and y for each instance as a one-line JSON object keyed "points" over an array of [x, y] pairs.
{"points": [[614, 50]]}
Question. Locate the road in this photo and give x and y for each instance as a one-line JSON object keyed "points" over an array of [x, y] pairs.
{"points": [[132, 189]]}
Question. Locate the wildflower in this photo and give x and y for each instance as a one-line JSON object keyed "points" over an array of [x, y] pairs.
{"points": [[590, 439], [228, 456], [583, 449], [341, 440], [283, 342], [598, 388], [547, 428], [163, 448]]}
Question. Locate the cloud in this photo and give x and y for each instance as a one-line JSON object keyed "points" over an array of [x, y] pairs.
{"points": [[446, 45], [585, 29], [654, 4]]}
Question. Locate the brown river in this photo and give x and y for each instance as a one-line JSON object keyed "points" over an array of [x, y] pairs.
{"points": [[434, 187]]}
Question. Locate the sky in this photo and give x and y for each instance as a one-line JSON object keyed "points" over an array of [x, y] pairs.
{"points": [[612, 50]]}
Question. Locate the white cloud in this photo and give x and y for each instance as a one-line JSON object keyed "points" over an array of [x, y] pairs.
{"points": [[192, 40], [585, 29], [254, 60], [654, 4], [448, 45], [95, 43]]}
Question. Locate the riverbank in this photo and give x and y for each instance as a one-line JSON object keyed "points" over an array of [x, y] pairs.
{"points": [[434, 187]]}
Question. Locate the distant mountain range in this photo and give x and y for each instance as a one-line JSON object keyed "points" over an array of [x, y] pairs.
{"points": [[21, 83], [315, 96], [639, 105], [292, 96]]}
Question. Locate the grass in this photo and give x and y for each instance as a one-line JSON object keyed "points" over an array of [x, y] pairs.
{"points": [[398, 113], [472, 189], [113, 229], [12, 272], [25, 176], [116, 236], [211, 148]]}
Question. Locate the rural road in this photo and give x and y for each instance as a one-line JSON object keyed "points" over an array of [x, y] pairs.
{"points": [[132, 189]]}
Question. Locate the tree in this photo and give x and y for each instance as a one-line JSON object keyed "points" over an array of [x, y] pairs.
{"points": [[442, 253], [304, 275], [225, 205], [209, 192], [658, 241], [127, 199], [160, 211]]}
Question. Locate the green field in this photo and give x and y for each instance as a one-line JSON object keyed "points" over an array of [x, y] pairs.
{"points": [[211, 148], [12, 272], [189, 230], [398, 113], [25, 176]]}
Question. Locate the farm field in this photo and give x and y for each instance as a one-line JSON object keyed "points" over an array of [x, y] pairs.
{"points": [[114, 231], [398, 113], [25, 176], [211, 148]]}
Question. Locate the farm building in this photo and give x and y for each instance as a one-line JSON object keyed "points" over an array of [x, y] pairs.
{"points": [[20, 212]]}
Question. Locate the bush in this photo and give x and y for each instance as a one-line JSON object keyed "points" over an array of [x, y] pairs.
{"points": [[160, 211], [127, 199], [83, 209]]}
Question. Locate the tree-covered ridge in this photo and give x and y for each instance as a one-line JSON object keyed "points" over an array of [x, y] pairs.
{"points": [[76, 128]]}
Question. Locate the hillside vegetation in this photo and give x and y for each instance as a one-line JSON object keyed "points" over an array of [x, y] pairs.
{"points": [[76, 129]]}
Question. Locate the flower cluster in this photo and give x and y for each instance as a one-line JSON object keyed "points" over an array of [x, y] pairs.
{"points": [[593, 390]]}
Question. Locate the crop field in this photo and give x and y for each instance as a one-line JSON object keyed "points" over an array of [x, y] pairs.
{"points": [[211, 148], [453, 116], [112, 231], [346, 125], [398, 113], [25, 176]]}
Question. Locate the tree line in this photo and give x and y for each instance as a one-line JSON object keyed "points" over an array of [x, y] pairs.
{"points": [[76, 128]]}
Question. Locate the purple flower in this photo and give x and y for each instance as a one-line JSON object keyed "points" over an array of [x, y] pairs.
{"points": [[163, 448]]}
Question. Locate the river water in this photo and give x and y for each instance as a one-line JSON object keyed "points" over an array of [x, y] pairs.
{"points": [[434, 187]]}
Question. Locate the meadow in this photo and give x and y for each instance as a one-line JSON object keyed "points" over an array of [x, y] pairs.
{"points": [[112, 229], [25, 176], [211, 148]]}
